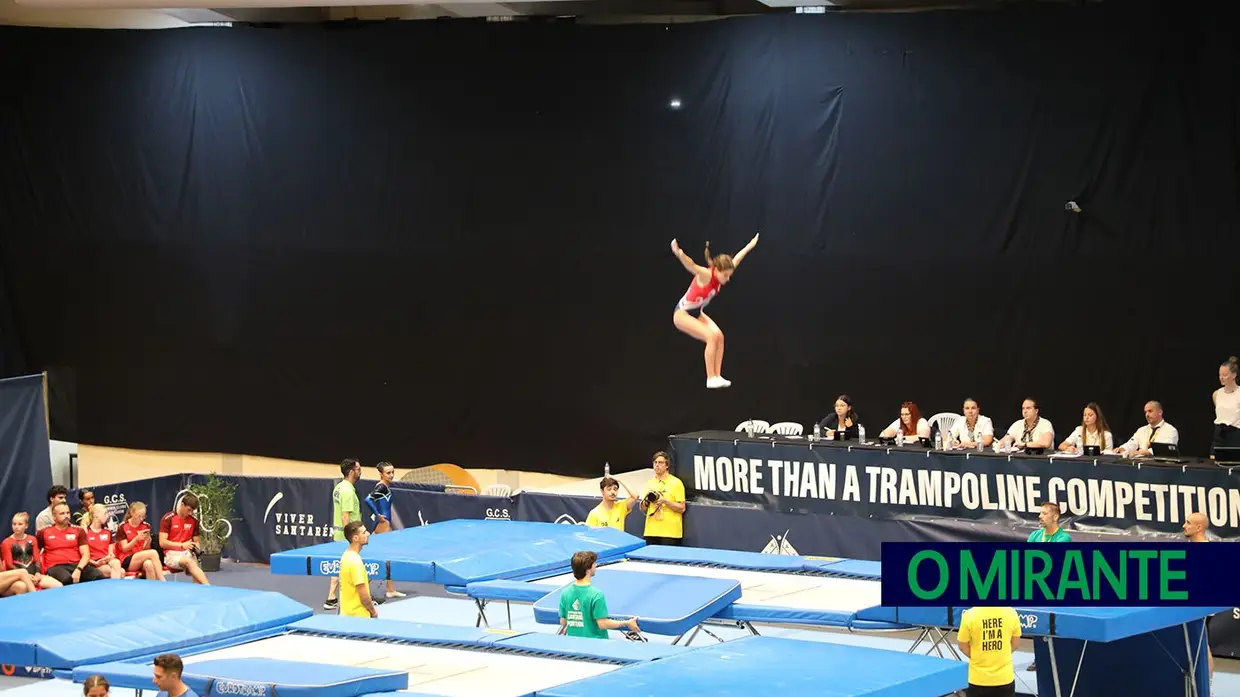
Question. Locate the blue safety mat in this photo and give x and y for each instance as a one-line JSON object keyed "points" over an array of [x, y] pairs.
{"points": [[131, 618], [663, 604], [780, 667], [773, 614], [457, 552], [756, 561], [514, 591], [258, 677], [539, 643], [1090, 624]]}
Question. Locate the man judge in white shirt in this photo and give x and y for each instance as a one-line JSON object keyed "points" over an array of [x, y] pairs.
{"points": [[1032, 431], [1155, 430], [973, 429]]}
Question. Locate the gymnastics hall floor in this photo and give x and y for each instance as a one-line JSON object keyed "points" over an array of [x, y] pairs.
{"points": [[433, 605], [234, 639]]}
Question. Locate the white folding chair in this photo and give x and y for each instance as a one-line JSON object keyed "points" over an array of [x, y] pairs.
{"points": [[787, 428], [498, 490], [759, 426], [944, 421]]}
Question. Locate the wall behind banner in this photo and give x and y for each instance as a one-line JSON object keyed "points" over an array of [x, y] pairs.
{"points": [[274, 250]]}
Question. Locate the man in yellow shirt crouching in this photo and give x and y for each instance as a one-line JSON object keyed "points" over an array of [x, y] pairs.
{"points": [[355, 600], [611, 512], [664, 505], [988, 636]]}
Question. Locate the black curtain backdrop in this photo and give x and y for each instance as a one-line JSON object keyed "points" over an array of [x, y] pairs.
{"points": [[448, 241]]}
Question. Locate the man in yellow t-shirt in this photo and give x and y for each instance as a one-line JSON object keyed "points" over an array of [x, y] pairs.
{"points": [[664, 505], [988, 636], [610, 513], [355, 600]]}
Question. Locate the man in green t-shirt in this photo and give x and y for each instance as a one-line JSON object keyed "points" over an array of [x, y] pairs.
{"points": [[1049, 532], [346, 508], [583, 609]]}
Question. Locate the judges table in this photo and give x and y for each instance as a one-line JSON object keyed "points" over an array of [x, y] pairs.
{"points": [[871, 480]]}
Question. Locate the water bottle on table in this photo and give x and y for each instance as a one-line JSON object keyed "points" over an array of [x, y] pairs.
{"points": [[860, 434], [817, 431]]}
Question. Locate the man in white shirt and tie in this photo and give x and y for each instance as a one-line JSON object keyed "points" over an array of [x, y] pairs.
{"points": [[1155, 430]]}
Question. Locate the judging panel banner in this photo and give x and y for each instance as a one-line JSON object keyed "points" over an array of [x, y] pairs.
{"points": [[881, 483]]}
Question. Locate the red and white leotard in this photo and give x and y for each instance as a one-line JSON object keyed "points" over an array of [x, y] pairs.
{"points": [[698, 297]]}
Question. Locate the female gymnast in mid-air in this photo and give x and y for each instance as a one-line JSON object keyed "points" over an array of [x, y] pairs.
{"points": [[690, 316]]}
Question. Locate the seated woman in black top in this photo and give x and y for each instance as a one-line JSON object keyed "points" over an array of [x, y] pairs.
{"points": [[842, 419]]}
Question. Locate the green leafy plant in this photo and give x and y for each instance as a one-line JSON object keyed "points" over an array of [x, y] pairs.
{"points": [[215, 511]]}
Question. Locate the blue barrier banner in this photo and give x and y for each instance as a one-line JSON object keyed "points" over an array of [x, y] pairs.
{"points": [[158, 493], [280, 513], [25, 461], [413, 506], [1111, 574]]}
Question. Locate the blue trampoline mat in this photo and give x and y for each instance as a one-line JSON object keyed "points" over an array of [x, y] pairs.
{"points": [[457, 552], [757, 561], [132, 618], [1085, 623], [782, 667], [665, 604], [259, 677], [453, 636]]}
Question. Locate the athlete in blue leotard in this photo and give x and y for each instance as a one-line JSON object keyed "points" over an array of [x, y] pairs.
{"points": [[380, 503]]}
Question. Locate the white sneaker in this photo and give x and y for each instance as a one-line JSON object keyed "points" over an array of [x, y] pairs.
{"points": [[724, 383], [395, 594], [716, 382]]}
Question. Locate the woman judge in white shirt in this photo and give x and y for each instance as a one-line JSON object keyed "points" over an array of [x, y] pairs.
{"points": [[910, 424], [973, 428], [1092, 431], [1227, 407]]}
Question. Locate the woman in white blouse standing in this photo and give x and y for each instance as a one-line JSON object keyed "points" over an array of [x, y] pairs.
{"points": [[1092, 431], [1227, 407]]}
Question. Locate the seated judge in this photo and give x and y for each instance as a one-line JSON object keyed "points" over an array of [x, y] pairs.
{"points": [[910, 424], [842, 419], [1032, 431], [1092, 431], [972, 429], [1155, 430]]}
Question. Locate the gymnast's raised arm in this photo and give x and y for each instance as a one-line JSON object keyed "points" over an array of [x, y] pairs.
{"points": [[702, 274]]}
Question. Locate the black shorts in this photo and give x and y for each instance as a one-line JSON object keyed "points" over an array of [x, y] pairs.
{"points": [[125, 563], [667, 541], [1008, 690]]}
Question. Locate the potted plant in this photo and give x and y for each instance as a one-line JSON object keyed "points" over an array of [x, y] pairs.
{"points": [[215, 513]]}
